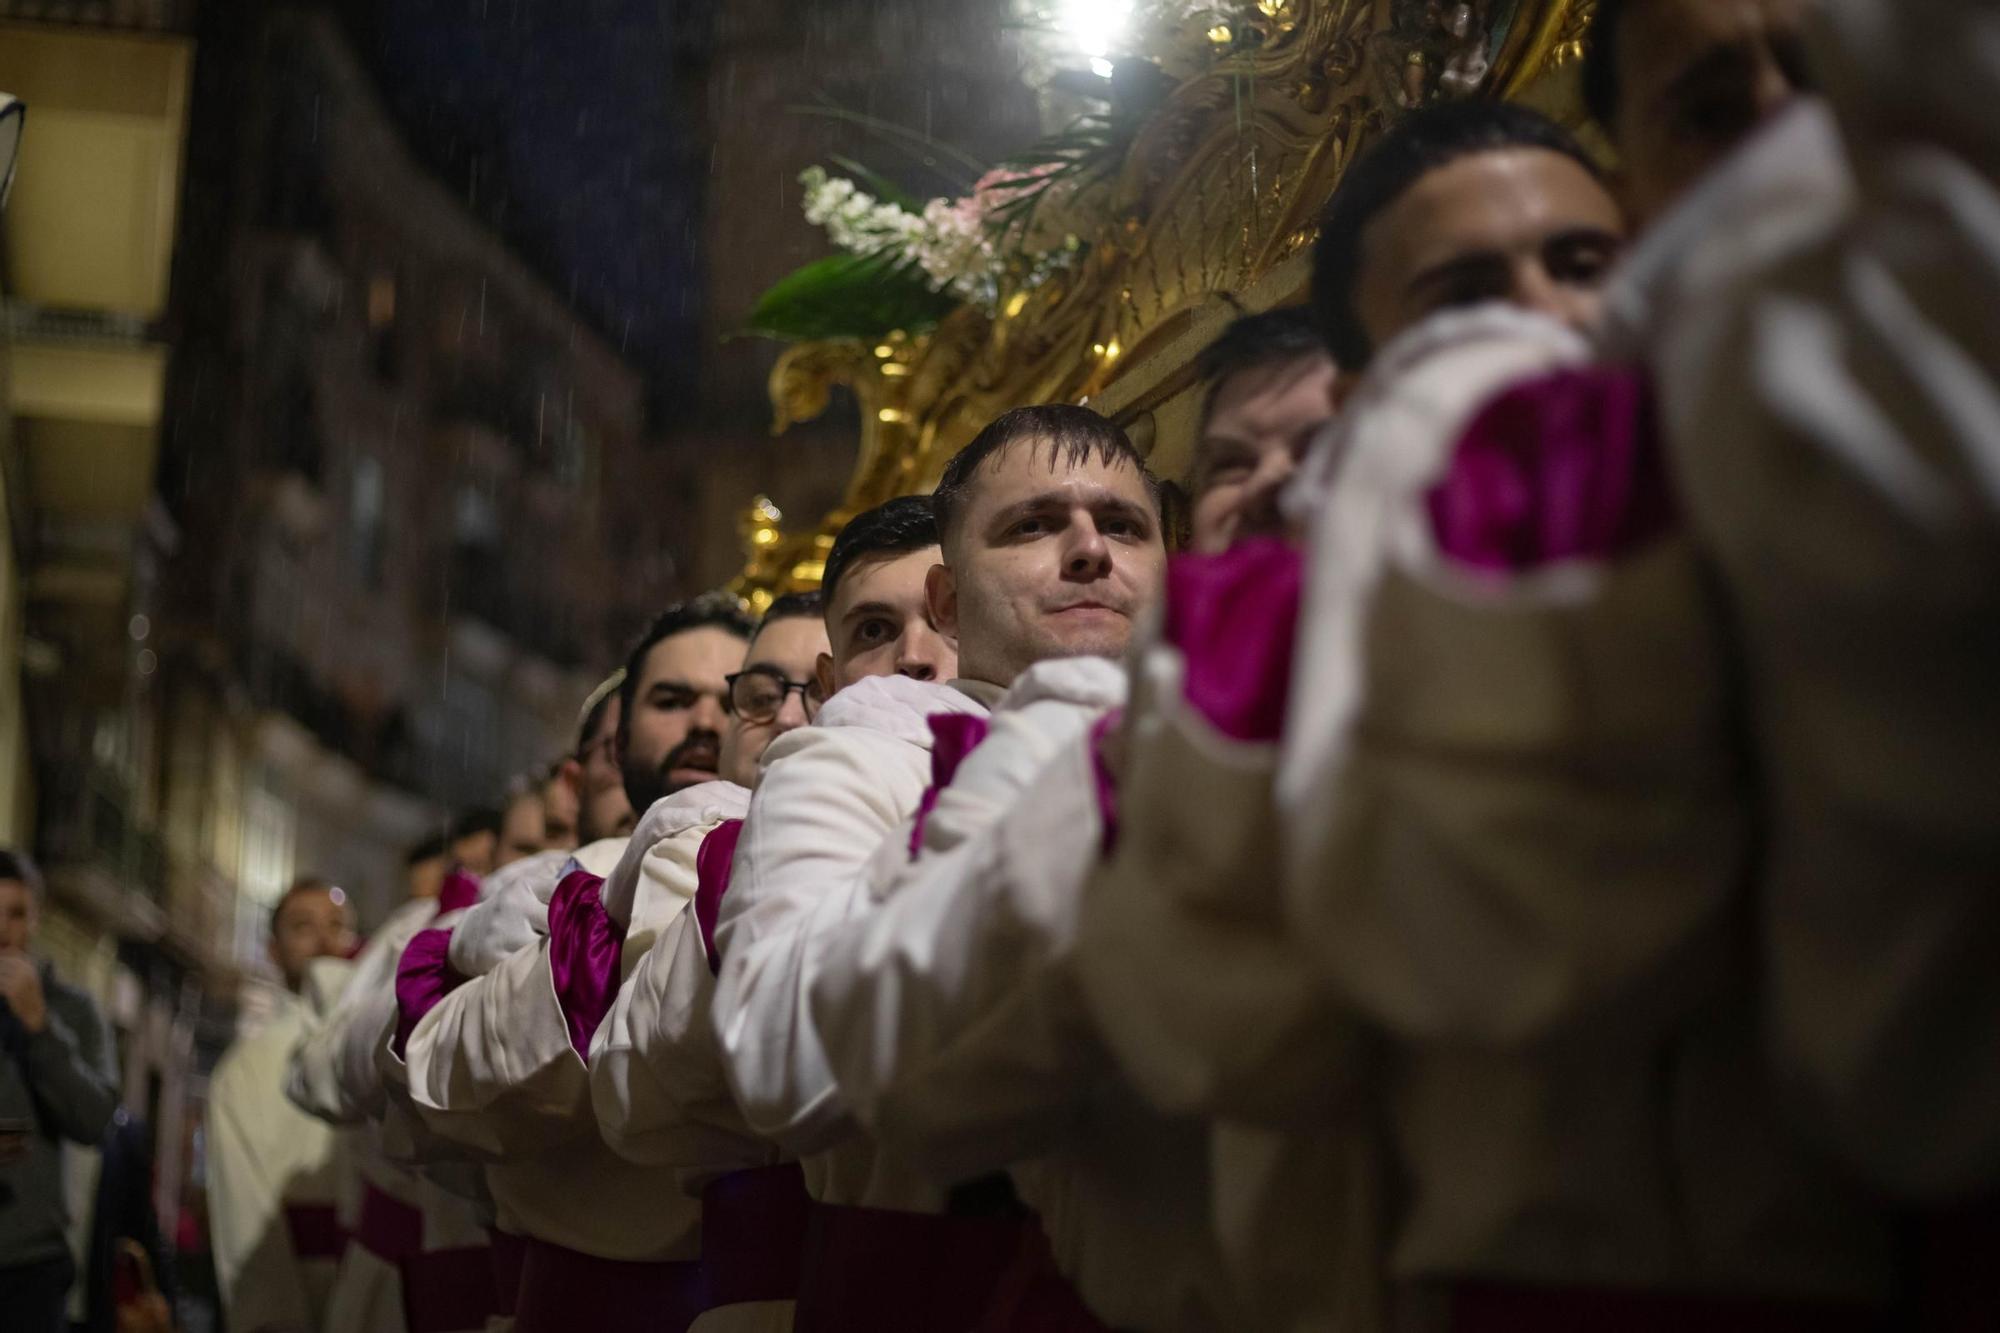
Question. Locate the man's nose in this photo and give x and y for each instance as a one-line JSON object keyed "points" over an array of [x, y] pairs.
{"points": [[791, 713], [920, 653], [707, 715], [1088, 555]]}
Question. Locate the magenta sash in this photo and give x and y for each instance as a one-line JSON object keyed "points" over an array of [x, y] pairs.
{"points": [[953, 736], [1234, 617], [460, 890], [424, 976], [507, 1252], [563, 1290], [1502, 1307], [315, 1230], [1564, 467], [872, 1270], [753, 1234], [444, 1291], [585, 945], [711, 865]]}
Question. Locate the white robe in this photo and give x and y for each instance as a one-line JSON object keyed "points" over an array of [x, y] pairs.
{"points": [[1836, 421], [1514, 828], [491, 1068], [264, 1155], [333, 1077], [829, 820], [956, 1033]]}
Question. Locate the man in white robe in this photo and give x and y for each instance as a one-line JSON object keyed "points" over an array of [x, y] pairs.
{"points": [[656, 1077], [489, 1063], [1051, 547], [273, 1171]]}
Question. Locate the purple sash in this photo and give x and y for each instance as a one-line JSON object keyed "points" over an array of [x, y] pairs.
{"points": [[584, 949], [711, 864], [753, 1234], [563, 1290]]}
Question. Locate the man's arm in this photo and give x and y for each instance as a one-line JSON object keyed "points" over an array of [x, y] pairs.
{"points": [[73, 1068], [828, 803]]}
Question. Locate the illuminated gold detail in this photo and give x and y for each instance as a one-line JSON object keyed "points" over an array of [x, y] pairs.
{"points": [[1211, 213]]}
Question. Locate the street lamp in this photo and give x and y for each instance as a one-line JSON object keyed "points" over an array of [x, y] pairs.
{"points": [[13, 115]]}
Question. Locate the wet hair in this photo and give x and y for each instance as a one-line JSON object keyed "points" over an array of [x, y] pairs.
{"points": [[1428, 139], [21, 868], [1255, 342], [482, 819], [429, 849], [711, 610], [1602, 83], [303, 884], [792, 606], [591, 717], [1072, 435], [895, 527]]}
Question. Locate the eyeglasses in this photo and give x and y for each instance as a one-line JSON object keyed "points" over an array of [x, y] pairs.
{"points": [[757, 694]]}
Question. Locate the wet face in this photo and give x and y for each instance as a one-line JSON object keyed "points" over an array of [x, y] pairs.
{"points": [[674, 737], [1260, 422], [560, 811], [19, 916], [1527, 226], [880, 624], [523, 831], [311, 923], [1050, 559], [1695, 77], [603, 809], [782, 655]]}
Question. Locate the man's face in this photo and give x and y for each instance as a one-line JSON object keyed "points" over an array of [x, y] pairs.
{"points": [[560, 811], [674, 737], [1050, 560], [1696, 76], [425, 878], [476, 851], [785, 651], [603, 808], [1528, 226], [1260, 421], [313, 923], [880, 624], [522, 830], [18, 916]]}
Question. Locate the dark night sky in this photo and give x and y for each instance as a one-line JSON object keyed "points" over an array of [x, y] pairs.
{"points": [[567, 124]]}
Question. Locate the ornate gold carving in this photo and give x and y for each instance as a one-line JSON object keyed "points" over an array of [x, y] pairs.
{"points": [[1219, 190]]}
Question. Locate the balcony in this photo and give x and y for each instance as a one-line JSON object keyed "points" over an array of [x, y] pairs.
{"points": [[97, 855]]}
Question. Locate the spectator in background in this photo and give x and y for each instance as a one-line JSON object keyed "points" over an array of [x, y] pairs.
{"points": [[473, 845], [424, 868], [273, 1170], [58, 1080]]}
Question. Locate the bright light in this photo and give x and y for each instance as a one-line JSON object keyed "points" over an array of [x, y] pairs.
{"points": [[1094, 28]]}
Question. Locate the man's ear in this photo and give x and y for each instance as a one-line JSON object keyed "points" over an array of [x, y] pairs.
{"points": [[823, 674], [941, 599]]}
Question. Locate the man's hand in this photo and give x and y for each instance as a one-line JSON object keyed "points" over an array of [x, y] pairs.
{"points": [[21, 988]]}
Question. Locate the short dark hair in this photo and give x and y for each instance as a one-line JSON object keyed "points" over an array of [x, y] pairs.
{"points": [[711, 610], [894, 527], [20, 867], [1254, 342], [303, 884], [481, 819], [1428, 139], [792, 606], [1602, 83], [429, 849], [1073, 435]]}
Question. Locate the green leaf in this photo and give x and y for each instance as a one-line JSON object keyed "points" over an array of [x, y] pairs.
{"points": [[848, 296]]}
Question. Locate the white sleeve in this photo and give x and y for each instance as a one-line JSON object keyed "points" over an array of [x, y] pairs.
{"points": [[333, 1074], [257, 1274], [822, 811], [952, 1033], [1191, 976], [491, 1065], [656, 1080], [1837, 423], [1504, 817]]}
